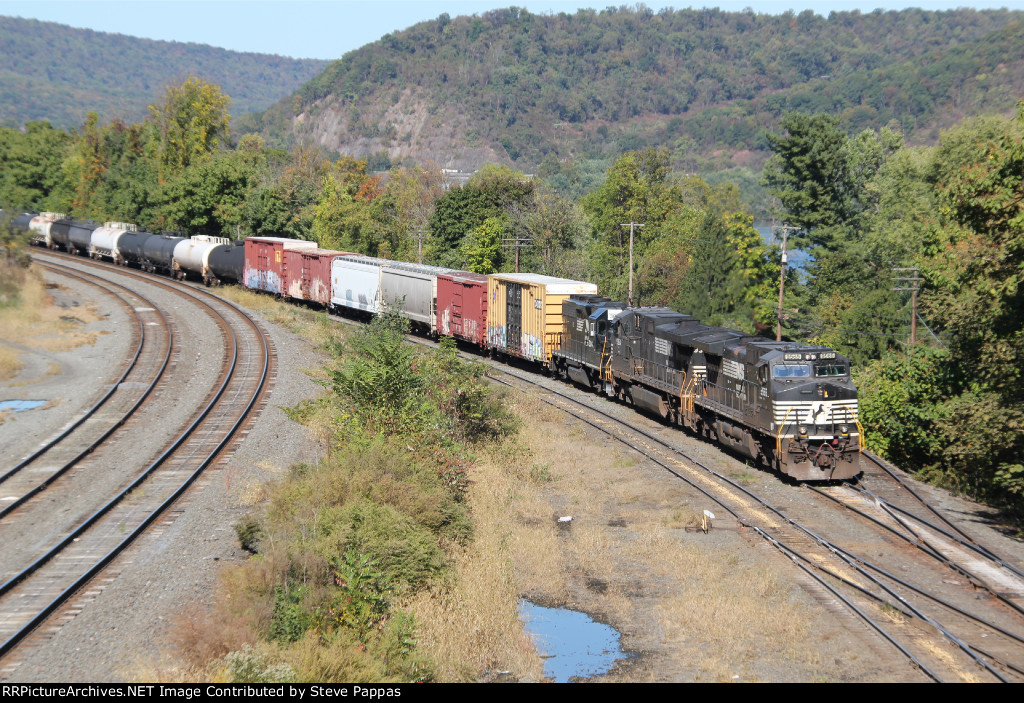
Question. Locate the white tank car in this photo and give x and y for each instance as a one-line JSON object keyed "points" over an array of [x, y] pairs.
{"points": [[103, 242], [193, 256], [40, 227]]}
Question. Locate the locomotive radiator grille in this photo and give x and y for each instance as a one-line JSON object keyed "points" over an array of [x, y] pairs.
{"points": [[815, 413]]}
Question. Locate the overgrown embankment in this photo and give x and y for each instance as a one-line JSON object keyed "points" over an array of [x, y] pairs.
{"points": [[341, 548]]}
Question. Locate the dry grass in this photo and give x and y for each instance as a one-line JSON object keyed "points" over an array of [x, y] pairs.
{"points": [[318, 327], [471, 629], [34, 321], [710, 610], [10, 364]]}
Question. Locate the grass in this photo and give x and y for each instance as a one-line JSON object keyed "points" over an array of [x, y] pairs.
{"points": [[714, 611], [32, 318], [316, 326]]}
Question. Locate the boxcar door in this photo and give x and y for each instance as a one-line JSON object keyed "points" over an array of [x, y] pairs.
{"points": [[514, 317]]}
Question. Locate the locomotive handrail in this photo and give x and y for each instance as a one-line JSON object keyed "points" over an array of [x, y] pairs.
{"points": [[861, 446], [778, 437]]}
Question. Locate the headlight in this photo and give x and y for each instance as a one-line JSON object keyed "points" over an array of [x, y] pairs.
{"points": [[803, 429], [845, 429]]}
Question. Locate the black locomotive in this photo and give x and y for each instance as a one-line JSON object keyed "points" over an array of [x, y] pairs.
{"points": [[790, 406]]}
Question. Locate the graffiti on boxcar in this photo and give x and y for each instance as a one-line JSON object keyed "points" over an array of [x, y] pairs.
{"points": [[496, 336], [532, 348]]}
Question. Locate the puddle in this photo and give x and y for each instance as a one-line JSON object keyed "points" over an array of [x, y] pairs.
{"points": [[571, 642], [20, 405]]}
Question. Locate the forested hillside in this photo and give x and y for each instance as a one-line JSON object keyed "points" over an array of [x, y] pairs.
{"points": [[57, 73], [512, 86]]}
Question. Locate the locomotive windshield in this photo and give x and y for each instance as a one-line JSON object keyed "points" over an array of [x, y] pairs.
{"points": [[791, 371], [830, 370]]}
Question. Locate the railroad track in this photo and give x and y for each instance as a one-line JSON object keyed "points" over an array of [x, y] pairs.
{"points": [[67, 450], [943, 640], [36, 592]]}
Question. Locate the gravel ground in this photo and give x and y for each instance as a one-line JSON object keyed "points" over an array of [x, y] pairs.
{"points": [[184, 388], [69, 381], [122, 629]]}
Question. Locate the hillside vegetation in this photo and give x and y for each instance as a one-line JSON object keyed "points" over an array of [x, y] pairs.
{"points": [[57, 73], [516, 87]]}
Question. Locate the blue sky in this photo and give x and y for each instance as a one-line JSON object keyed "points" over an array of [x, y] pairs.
{"points": [[326, 29]]}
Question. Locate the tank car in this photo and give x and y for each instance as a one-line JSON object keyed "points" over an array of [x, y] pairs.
{"points": [[192, 256], [158, 253], [80, 237], [105, 240], [227, 262], [40, 225], [131, 247]]}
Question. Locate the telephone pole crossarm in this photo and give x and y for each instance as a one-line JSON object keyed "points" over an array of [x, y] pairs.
{"points": [[518, 243]]}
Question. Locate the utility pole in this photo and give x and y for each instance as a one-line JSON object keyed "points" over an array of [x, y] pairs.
{"points": [[786, 229], [517, 243], [631, 225], [420, 234], [915, 285]]}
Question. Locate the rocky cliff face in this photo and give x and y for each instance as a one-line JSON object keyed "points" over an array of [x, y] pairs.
{"points": [[406, 128]]}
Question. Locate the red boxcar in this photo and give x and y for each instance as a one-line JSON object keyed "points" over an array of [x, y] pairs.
{"points": [[308, 274], [266, 267], [462, 306]]}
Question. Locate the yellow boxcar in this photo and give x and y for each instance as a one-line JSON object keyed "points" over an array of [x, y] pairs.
{"points": [[524, 312]]}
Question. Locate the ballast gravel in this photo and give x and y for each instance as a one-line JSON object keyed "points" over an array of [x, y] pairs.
{"points": [[121, 624]]}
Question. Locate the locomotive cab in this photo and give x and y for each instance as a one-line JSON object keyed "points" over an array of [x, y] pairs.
{"points": [[814, 413], [586, 341]]}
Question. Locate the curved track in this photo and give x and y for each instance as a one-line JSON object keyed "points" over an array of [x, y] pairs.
{"points": [[29, 597], [943, 640], [145, 369]]}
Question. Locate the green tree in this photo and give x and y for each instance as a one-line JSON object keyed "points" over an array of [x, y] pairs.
{"points": [[810, 174], [192, 123], [481, 250], [209, 197], [31, 164], [342, 216], [491, 192]]}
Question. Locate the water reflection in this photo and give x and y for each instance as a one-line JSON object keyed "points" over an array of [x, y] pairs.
{"points": [[571, 642]]}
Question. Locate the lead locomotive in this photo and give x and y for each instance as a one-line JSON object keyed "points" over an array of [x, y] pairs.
{"points": [[791, 406]]}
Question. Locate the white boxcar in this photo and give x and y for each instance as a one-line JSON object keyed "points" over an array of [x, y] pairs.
{"points": [[193, 255], [103, 241], [355, 282], [412, 289], [40, 226]]}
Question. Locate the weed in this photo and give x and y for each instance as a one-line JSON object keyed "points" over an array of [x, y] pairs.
{"points": [[541, 473], [249, 531]]}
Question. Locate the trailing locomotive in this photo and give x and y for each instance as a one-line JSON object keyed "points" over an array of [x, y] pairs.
{"points": [[789, 406]]}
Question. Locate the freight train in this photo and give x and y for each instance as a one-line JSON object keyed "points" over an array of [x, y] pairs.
{"points": [[789, 406]]}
